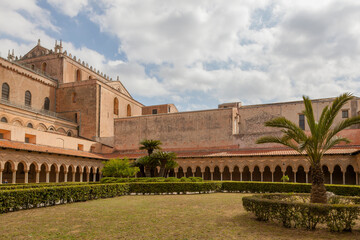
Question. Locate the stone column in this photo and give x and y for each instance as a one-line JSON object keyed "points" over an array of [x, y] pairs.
{"points": [[331, 177], [221, 176], [13, 177], [37, 176], [81, 176], [343, 178], [272, 176], [94, 177], [47, 176], [87, 177], [73, 176], [57, 177], [262, 176], [211, 176], [294, 177], [26, 177], [251, 176], [1, 176], [240, 176], [307, 177], [65, 176], [203, 175], [231, 176], [357, 178]]}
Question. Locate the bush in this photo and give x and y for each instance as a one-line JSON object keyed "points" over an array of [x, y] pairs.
{"points": [[174, 187], [148, 179], [12, 200], [38, 185], [266, 187], [282, 208]]}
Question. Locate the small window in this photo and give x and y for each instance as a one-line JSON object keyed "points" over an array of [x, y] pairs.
{"points": [[116, 106], [5, 134], [73, 97], [33, 67], [69, 133], [4, 120], [302, 121], [30, 138], [154, 111], [43, 67], [28, 98], [29, 125], [128, 110], [5, 91], [81, 147], [47, 104], [345, 113], [78, 75], [76, 117], [169, 109]]}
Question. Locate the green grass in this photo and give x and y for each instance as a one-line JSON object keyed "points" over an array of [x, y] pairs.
{"points": [[205, 216]]}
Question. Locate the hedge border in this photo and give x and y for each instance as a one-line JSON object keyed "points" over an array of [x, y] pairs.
{"points": [[271, 207]]}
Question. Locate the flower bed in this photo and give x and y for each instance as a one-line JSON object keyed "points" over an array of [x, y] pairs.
{"points": [[295, 210]]}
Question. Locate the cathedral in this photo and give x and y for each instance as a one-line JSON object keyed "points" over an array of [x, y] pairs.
{"points": [[61, 118]]}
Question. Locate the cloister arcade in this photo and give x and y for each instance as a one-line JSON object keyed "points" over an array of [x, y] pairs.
{"points": [[39, 168], [337, 169]]}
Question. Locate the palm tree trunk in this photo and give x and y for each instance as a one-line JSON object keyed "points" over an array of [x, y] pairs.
{"points": [[147, 171], [318, 190], [162, 168]]}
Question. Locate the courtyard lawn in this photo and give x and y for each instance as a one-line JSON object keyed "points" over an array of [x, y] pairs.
{"points": [[205, 216]]}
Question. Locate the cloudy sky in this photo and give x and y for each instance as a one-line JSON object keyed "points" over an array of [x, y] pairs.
{"points": [[198, 54]]}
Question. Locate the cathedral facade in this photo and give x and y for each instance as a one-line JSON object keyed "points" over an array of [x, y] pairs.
{"points": [[61, 118]]}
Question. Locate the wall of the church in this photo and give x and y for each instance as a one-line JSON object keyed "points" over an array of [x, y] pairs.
{"points": [[199, 129]]}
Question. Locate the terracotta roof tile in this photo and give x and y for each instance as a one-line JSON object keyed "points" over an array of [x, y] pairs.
{"points": [[47, 149]]}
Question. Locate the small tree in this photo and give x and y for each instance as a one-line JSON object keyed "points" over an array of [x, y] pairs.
{"points": [[285, 178], [164, 158], [119, 168], [150, 146], [322, 137], [149, 162]]}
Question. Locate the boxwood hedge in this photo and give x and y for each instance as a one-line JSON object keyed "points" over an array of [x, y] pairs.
{"points": [[154, 179], [338, 217]]}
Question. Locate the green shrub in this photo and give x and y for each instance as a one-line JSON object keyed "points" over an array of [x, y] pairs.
{"points": [[279, 207], [148, 179], [38, 185], [174, 187], [265, 187], [12, 200]]}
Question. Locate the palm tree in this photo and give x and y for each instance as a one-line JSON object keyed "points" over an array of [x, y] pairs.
{"points": [[150, 145], [323, 137], [149, 163], [165, 158]]}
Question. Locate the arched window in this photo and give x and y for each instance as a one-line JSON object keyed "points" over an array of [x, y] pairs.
{"points": [[116, 106], [78, 75], [5, 91], [43, 67], [4, 120], [47, 103], [90, 77], [73, 97], [27, 98], [29, 125], [128, 110], [69, 133]]}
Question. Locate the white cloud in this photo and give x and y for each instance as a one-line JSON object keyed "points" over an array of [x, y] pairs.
{"points": [[68, 7]]}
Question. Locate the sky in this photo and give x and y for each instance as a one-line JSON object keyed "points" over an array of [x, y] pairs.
{"points": [[198, 54]]}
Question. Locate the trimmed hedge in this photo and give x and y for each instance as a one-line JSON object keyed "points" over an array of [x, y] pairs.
{"points": [[153, 179], [279, 187], [12, 200], [10, 186], [174, 187], [339, 215]]}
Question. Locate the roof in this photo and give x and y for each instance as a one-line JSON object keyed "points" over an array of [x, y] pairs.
{"points": [[341, 150], [47, 149]]}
